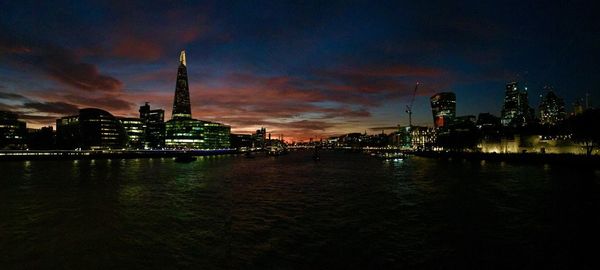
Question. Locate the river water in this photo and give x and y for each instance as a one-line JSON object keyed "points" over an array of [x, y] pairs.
{"points": [[348, 211]]}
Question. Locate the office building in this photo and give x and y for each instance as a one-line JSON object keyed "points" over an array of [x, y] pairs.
{"points": [[134, 128], [154, 127], [552, 108], [443, 108], [516, 111], [91, 129], [196, 134], [12, 131]]}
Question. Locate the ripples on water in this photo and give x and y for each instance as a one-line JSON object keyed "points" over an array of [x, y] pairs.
{"points": [[346, 211]]}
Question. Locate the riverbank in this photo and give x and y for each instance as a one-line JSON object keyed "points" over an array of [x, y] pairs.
{"points": [[592, 161], [105, 154]]}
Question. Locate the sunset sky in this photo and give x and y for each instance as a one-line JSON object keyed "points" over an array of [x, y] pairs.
{"points": [[303, 69]]}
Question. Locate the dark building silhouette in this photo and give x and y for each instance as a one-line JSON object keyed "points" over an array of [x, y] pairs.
{"points": [[516, 111], [552, 108], [260, 137], [183, 132], [41, 139], [181, 102], [443, 107], [464, 121], [154, 127], [354, 139], [487, 121], [578, 107], [12, 131], [239, 141], [90, 129]]}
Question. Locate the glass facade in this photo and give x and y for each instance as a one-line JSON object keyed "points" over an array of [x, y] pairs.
{"points": [[181, 102], [196, 134], [216, 136], [443, 108], [516, 110], [91, 129], [154, 127], [134, 128]]}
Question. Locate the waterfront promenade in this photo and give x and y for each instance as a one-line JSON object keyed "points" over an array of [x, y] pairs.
{"points": [[105, 154]]}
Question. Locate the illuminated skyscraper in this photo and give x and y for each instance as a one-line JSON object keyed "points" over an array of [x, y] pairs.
{"points": [[510, 109], [516, 111], [183, 132], [181, 102], [552, 108], [443, 107]]}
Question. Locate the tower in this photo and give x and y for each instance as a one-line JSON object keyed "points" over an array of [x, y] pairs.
{"points": [[443, 108], [552, 108], [510, 109], [181, 102], [184, 132], [516, 111], [154, 127]]}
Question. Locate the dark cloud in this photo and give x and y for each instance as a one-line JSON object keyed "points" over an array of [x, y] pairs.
{"points": [[13, 96], [106, 102], [383, 128], [6, 107], [65, 67], [45, 107], [304, 125], [52, 107], [39, 119], [60, 64]]}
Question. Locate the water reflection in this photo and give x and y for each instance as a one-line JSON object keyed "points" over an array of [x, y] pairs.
{"points": [[346, 211]]}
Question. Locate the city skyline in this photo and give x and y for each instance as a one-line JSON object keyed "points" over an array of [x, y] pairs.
{"points": [[309, 73]]}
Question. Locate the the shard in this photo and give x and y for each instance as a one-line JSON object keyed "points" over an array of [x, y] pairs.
{"points": [[181, 102]]}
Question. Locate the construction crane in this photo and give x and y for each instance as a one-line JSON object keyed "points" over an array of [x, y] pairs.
{"points": [[409, 106]]}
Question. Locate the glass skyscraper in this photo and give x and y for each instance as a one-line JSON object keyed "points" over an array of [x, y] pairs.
{"points": [[184, 132], [181, 102], [443, 108], [552, 108], [516, 111]]}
